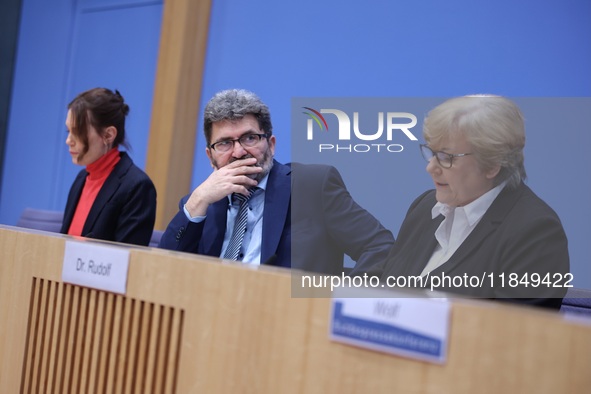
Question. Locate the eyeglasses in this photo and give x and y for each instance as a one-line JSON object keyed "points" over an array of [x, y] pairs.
{"points": [[247, 141], [444, 159]]}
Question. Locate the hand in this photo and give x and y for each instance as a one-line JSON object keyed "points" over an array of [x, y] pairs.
{"points": [[232, 178]]}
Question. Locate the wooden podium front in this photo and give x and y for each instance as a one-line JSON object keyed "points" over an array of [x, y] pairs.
{"points": [[192, 324]]}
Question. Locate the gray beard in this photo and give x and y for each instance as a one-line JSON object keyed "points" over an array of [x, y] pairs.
{"points": [[266, 164]]}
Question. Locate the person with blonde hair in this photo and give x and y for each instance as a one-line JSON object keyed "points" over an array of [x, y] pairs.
{"points": [[482, 231]]}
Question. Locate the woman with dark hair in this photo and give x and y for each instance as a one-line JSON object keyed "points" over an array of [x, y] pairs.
{"points": [[111, 199]]}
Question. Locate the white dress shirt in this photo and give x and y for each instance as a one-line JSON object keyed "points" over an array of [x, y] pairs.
{"points": [[457, 225]]}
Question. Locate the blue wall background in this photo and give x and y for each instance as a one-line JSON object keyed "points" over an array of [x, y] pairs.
{"points": [[66, 47], [282, 50]]}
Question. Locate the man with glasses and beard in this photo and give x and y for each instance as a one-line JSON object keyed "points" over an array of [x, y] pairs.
{"points": [[242, 211]]}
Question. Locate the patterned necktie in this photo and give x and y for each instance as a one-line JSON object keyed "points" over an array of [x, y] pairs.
{"points": [[233, 249]]}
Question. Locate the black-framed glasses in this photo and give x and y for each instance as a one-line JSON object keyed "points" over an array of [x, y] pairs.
{"points": [[444, 159], [247, 141]]}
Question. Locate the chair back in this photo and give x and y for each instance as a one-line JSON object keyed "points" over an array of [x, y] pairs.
{"points": [[41, 219], [577, 301], [155, 240]]}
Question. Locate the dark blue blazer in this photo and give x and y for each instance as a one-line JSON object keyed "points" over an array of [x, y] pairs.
{"points": [[207, 237], [124, 209], [328, 223]]}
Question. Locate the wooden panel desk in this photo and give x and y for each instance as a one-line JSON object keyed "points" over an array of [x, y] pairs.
{"points": [[191, 324]]}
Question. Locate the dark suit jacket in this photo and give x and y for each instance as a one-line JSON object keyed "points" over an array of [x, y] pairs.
{"points": [[207, 237], [518, 234], [124, 209], [327, 224]]}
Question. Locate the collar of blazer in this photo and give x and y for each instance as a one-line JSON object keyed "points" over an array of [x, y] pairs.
{"points": [[112, 183], [491, 220], [277, 212]]}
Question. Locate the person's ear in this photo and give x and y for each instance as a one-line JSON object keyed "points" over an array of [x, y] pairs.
{"points": [[493, 172], [272, 144], [209, 156], [110, 135]]}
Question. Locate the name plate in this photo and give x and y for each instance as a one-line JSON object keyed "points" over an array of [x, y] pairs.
{"points": [[98, 266], [409, 327]]}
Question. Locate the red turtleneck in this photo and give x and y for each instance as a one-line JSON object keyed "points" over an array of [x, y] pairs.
{"points": [[97, 175]]}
